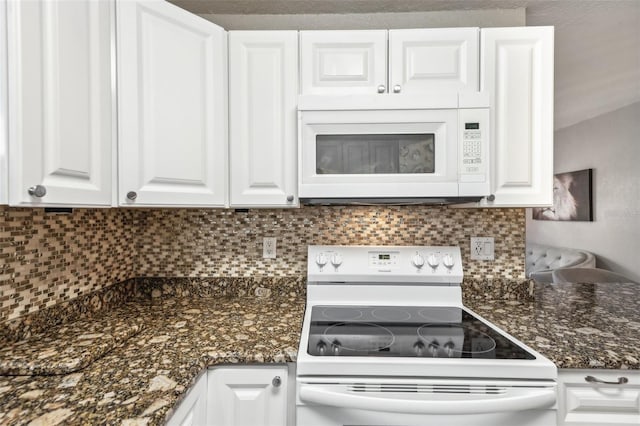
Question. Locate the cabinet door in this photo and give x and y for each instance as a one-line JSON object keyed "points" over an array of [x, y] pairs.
{"points": [[263, 95], [433, 60], [60, 102], [192, 410], [4, 116], [247, 396], [172, 102], [517, 71], [343, 62], [581, 403]]}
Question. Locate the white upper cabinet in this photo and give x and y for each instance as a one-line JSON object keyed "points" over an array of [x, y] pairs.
{"points": [[343, 62], [263, 95], [172, 103], [4, 116], [60, 102], [517, 72], [418, 61], [433, 60]]}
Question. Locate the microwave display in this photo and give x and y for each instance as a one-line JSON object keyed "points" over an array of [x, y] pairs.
{"points": [[375, 154]]}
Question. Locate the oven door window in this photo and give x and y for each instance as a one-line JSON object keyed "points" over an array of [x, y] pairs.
{"points": [[375, 154]]}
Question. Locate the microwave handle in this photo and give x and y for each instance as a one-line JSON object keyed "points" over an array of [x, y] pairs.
{"points": [[539, 398]]}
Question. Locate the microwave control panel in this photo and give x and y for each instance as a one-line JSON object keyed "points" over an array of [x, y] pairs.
{"points": [[471, 146], [474, 141]]}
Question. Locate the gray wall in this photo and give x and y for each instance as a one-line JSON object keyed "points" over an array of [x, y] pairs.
{"points": [[610, 144], [597, 122]]}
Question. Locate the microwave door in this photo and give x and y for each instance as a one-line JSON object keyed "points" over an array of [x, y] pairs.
{"points": [[371, 155]]}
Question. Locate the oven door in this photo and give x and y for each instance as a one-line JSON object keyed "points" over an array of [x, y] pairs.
{"points": [[378, 153], [413, 402]]}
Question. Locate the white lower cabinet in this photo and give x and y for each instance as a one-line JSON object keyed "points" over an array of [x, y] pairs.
{"points": [[237, 396], [248, 396], [587, 403], [192, 411]]}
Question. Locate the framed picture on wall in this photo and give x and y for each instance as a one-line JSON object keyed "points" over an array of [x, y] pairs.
{"points": [[571, 198]]}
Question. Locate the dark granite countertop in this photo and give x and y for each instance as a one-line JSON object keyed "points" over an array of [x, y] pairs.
{"points": [[138, 382], [574, 325]]}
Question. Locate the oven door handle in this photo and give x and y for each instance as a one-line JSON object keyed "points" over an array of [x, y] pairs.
{"points": [[540, 398]]}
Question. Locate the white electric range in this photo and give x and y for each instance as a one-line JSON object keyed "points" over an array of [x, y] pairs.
{"points": [[386, 341]]}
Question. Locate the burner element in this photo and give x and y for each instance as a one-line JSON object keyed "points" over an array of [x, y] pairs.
{"points": [[441, 315], [341, 313], [390, 314], [358, 337]]}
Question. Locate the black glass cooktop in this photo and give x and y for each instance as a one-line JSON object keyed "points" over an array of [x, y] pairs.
{"points": [[401, 331]]}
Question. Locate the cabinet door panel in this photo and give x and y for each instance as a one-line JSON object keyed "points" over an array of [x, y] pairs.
{"points": [[595, 404], [61, 101], [4, 115], [172, 106], [517, 71], [434, 60], [343, 62], [246, 396], [192, 410], [263, 88]]}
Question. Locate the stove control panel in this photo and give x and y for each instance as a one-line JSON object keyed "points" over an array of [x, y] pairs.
{"points": [[383, 259], [410, 264]]}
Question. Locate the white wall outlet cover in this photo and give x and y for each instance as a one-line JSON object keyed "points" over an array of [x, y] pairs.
{"points": [[482, 248], [269, 248]]}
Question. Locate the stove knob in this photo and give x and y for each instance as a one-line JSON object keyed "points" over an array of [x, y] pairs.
{"points": [[336, 260], [335, 347], [321, 260], [433, 348], [321, 347], [433, 261], [448, 348], [448, 261], [417, 260], [418, 348]]}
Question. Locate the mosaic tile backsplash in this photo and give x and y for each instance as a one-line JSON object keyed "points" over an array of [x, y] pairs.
{"points": [[47, 259]]}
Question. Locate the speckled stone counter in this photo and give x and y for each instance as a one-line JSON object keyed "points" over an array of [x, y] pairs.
{"points": [[138, 383], [574, 325]]}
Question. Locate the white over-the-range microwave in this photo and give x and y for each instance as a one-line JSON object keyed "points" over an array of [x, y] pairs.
{"points": [[393, 149]]}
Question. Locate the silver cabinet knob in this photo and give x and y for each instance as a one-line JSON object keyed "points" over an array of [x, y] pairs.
{"points": [[397, 88], [132, 195], [382, 89], [491, 197], [37, 191], [289, 198], [276, 382]]}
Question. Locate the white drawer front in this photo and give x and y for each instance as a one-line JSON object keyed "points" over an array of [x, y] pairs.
{"points": [[591, 404]]}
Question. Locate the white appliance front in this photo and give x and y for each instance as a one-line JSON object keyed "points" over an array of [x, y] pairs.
{"points": [[393, 153], [359, 401], [386, 341]]}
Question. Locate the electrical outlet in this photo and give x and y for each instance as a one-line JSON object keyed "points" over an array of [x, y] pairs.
{"points": [[482, 248], [269, 247]]}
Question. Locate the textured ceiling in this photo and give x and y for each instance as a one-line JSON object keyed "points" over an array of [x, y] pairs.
{"points": [[341, 6], [597, 42]]}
